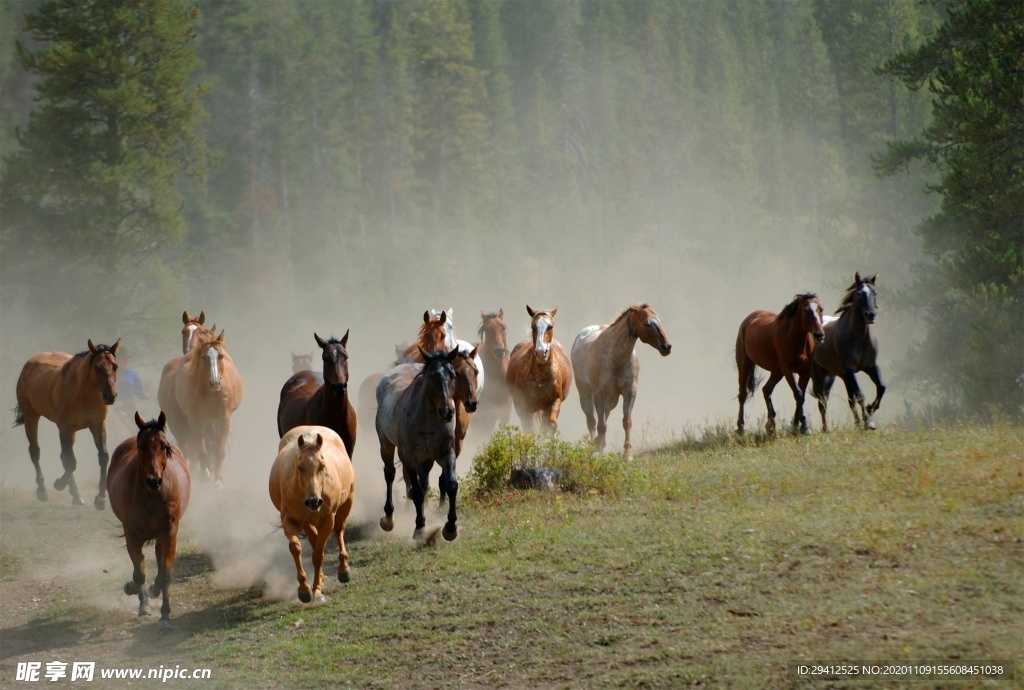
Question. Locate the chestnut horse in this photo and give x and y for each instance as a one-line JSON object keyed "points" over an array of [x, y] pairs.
{"points": [[199, 392], [539, 374], [849, 347], [782, 344], [312, 485], [149, 487], [495, 399], [606, 367], [437, 334], [193, 327], [73, 393], [311, 398], [415, 416]]}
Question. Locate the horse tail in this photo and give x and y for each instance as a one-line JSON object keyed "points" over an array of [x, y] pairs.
{"points": [[741, 354], [19, 416]]}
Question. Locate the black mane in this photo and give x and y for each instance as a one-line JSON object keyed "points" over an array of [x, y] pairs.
{"points": [[790, 308]]}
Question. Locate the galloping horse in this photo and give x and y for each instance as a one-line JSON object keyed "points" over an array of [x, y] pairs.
{"points": [[606, 367], [193, 327], [312, 485], [149, 487], [415, 416], [782, 344], [495, 399], [539, 374], [849, 347], [437, 334], [73, 393], [199, 392], [311, 398]]}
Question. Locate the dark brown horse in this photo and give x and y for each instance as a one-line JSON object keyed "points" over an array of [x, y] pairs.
{"points": [[193, 327], [849, 347], [606, 367], [783, 344], [312, 398], [539, 373], [495, 399], [149, 487], [415, 416], [73, 393], [199, 392]]}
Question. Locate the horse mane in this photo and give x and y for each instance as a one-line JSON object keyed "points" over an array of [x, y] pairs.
{"points": [[790, 308], [625, 312], [483, 320], [847, 300], [99, 348], [151, 424], [330, 341]]}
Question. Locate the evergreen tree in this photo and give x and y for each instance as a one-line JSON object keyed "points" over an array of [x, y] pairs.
{"points": [[974, 292]]}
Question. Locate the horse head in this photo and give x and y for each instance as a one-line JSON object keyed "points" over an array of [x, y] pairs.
{"points": [[211, 351], [449, 325], [188, 331], [492, 333], [154, 450], [310, 470], [466, 379], [864, 297], [103, 360], [301, 362], [434, 332], [439, 374], [335, 358], [542, 329], [645, 324], [807, 308]]}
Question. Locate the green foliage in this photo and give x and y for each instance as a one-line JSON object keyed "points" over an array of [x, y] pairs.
{"points": [[582, 469]]}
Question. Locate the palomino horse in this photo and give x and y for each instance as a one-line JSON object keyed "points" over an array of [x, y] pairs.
{"points": [[606, 367], [73, 393], [302, 362], [539, 374], [312, 485], [495, 400], [199, 392], [311, 398], [149, 487], [416, 417], [849, 347], [193, 329], [782, 344]]}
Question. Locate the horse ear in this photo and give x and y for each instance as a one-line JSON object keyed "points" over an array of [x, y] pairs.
{"points": [[423, 354], [344, 338], [220, 338], [872, 279], [856, 277], [302, 441], [453, 353], [426, 316], [161, 420], [113, 348], [443, 317], [501, 313], [472, 355], [202, 317], [319, 441], [139, 421], [320, 341], [184, 317], [531, 312], [92, 347], [554, 311]]}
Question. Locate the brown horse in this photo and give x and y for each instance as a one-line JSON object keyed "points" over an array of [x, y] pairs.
{"points": [[193, 327], [495, 399], [539, 373], [199, 392], [73, 393], [782, 344], [606, 367], [312, 485], [149, 487], [436, 335], [311, 398], [415, 416]]}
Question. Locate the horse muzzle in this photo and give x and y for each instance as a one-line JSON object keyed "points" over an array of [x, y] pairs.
{"points": [[471, 405], [665, 349], [869, 318], [314, 503], [154, 483], [819, 337], [215, 385], [339, 389], [109, 398], [500, 352], [542, 355], [446, 413]]}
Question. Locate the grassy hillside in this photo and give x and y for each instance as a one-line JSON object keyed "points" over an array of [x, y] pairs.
{"points": [[718, 564]]}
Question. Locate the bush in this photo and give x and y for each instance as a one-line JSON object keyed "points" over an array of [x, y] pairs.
{"points": [[581, 468]]}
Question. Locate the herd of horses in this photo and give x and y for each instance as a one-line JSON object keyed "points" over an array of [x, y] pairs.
{"points": [[421, 407]]}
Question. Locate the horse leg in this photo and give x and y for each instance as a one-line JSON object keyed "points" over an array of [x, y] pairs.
{"points": [[799, 419], [525, 415], [627, 422], [552, 419], [854, 396], [387, 454], [417, 499], [219, 441], [587, 403], [99, 436], [67, 458], [601, 408], [323, 533], [138, 581], [745, 366], [450, 531], [32, 432], [769, 386], [340, 520], [822, 381], [292, 530], [166, 545], [875, 374]]}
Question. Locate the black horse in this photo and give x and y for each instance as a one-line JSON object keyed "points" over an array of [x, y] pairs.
{"points": [[850, 347]]}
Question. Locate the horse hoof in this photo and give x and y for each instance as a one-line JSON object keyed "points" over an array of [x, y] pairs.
{"points": [[77, 501], [305, 595], [344, 576], [870, 426], [449, 535], [131, 589], [387, 523], [143, 610], [806, 431], [321, 599], [219, 484], [154, 590], [60, 483], [165, 624], [100, 503], [41, 494]]}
